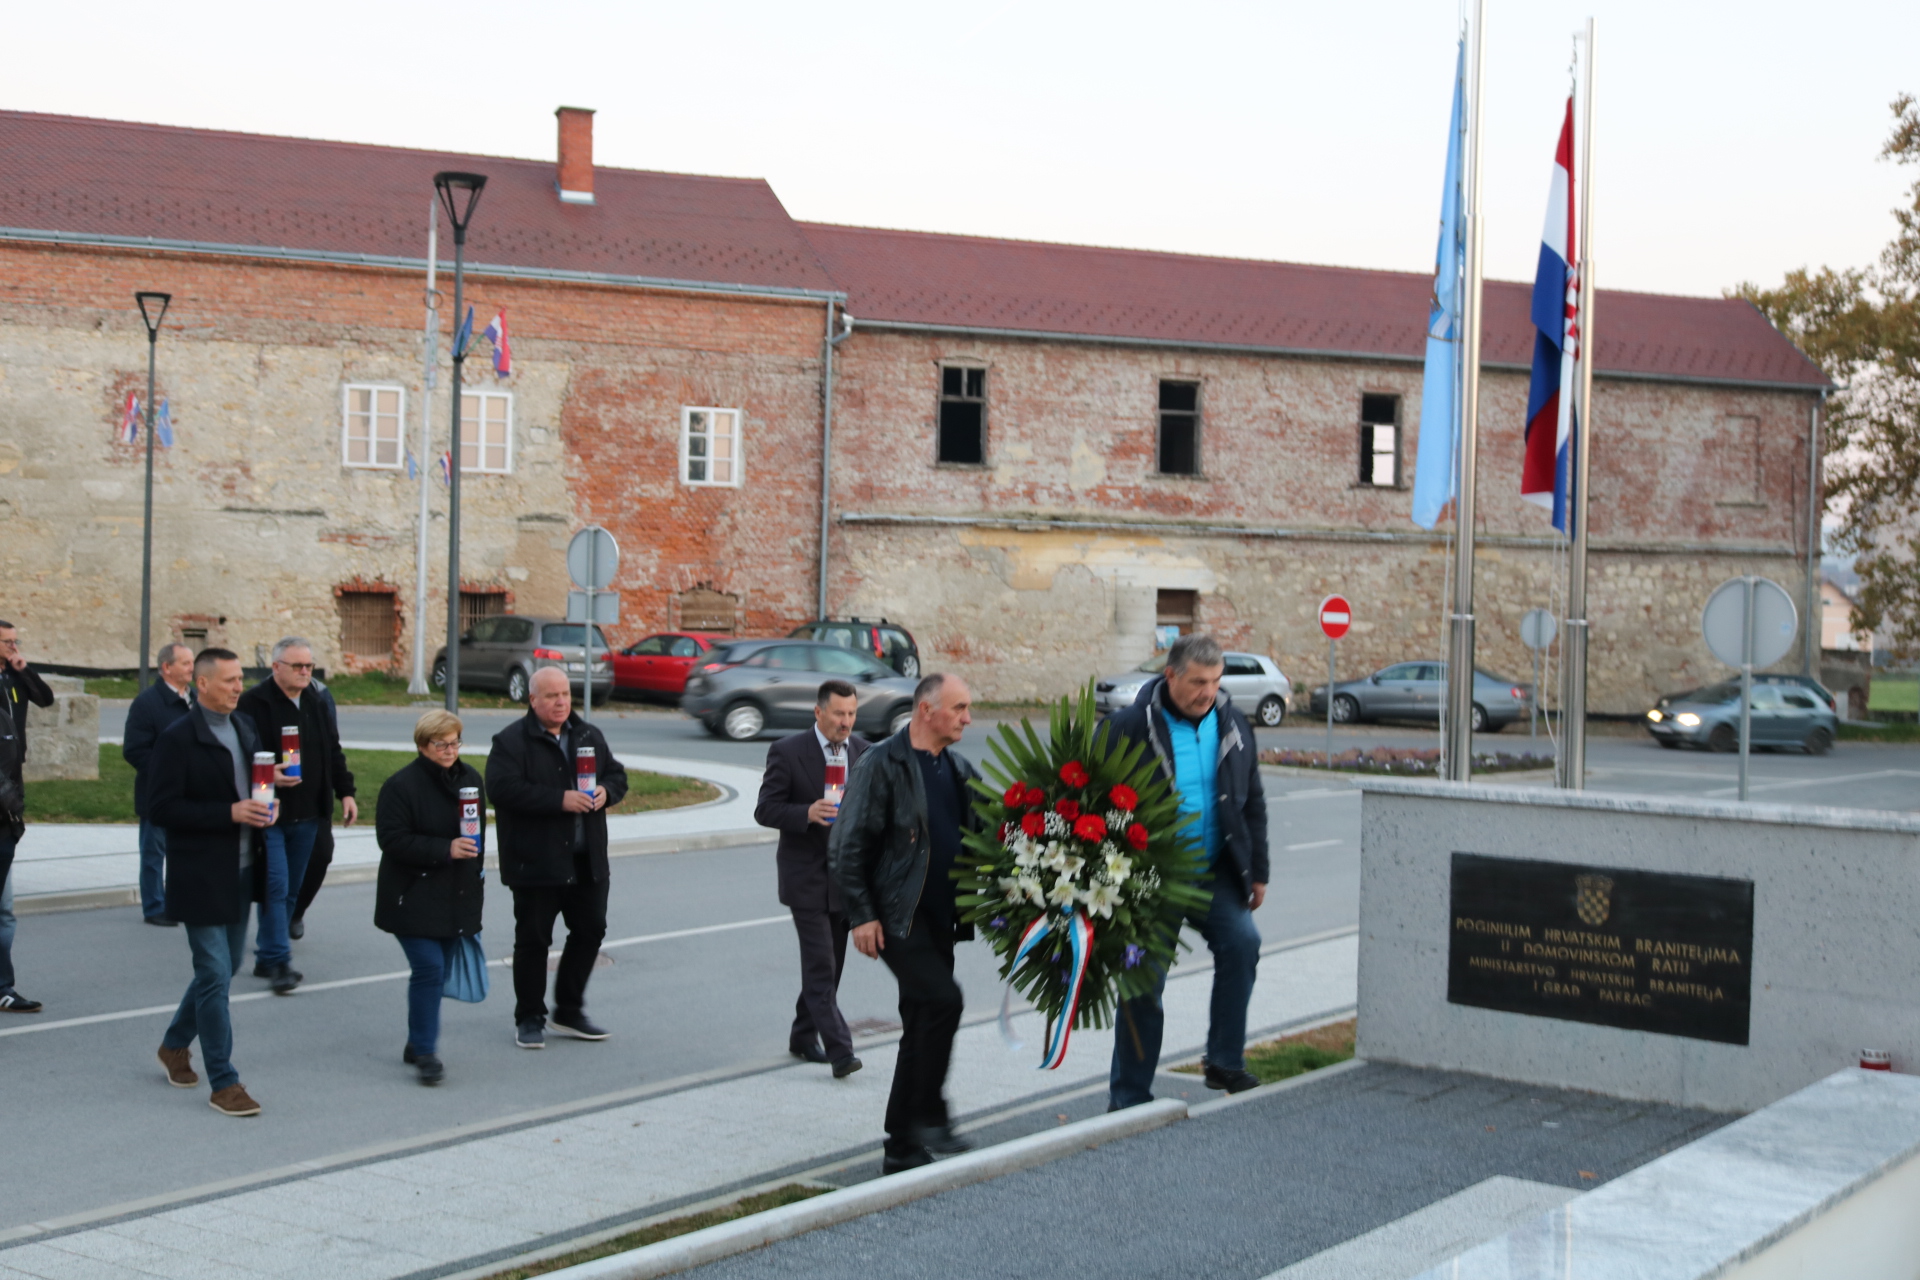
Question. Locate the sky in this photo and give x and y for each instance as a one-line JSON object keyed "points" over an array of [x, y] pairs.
{"points": [[1733, 141]]}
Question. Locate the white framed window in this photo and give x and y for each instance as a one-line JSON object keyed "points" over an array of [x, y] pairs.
{"points": [[710, 446], [370, 425], [486, 431]]}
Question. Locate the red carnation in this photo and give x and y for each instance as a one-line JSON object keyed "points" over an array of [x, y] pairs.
{"points": [[1073, 773], [1035, 798], [1091, 827], [1067, 809], [1015, 794], [1003, 833], [1124, 797], [1034, 825], [1137, 836]]}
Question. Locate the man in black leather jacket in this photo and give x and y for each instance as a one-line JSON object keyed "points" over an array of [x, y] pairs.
{"points": [[892, 849]]}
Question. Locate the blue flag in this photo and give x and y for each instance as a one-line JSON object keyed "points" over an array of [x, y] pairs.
{"points": [[1434, 479], [465, 336], [163, 425]]}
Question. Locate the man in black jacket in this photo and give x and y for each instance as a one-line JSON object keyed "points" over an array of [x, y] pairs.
{"points": [[19, 685], [1202, 745], [794, 800], [322, 857], [157, 706], [200, 791], [893, 848], [306, 788], [553, 853]]}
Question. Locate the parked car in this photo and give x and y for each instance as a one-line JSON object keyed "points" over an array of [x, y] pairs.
{"points": [[1417, 691], [1819, 690], [772, 684], [658, 665], [1255, 684], [504, 651], [889, 642], [1784, 713]]}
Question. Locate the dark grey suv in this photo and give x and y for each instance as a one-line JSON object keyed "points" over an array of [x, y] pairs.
{"points": [[503, 652], [758, 685]]}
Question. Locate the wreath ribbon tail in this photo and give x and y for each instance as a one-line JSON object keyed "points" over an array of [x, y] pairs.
{"points": [[1028, 940], [1080, 946]]}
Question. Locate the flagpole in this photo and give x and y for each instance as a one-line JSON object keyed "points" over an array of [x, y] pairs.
{"points": [[1573, 773], [431, 359], [1459, 731]]}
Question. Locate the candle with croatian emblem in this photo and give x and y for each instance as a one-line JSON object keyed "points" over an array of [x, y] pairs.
{"points": [[470, 818], [583, 770], [263, 789], [290, 749], [836, 782]]}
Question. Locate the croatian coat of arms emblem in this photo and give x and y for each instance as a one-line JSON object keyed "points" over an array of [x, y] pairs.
{"points": [[1593, 898]]}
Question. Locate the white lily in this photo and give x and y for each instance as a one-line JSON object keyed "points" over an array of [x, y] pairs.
{"points": [[1064, 893], [1071, 865], [1010, 885], [1102, 899], [1119, 867], [1030, 888]]}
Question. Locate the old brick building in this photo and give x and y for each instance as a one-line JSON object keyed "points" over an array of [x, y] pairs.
{"points": [[1038, 451]]}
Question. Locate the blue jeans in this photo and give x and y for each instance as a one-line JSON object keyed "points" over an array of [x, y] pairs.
{"points": [[289, 845], [153, 873], [218, 951], [1235, 942], [428, 959]]}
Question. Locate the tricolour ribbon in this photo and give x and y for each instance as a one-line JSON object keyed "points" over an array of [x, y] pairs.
{"points": [[1080, 946]]}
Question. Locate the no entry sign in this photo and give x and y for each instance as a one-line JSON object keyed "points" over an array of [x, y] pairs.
{"points": [[1336, 615]]}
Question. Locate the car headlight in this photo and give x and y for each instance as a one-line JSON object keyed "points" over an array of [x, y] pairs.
{"points": [[1688, 719], [1655, 716]]}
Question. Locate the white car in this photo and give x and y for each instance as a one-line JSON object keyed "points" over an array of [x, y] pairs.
{"points": [[1256, 685]]}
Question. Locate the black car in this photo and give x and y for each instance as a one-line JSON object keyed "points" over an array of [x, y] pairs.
{"points": [[888, 642]]}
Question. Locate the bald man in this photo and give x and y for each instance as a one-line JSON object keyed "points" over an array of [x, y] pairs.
{"points": [[552, 836]]}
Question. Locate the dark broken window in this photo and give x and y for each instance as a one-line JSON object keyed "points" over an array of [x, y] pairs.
{"points": [[963, 415], [1380, 441], [1179, 452]]}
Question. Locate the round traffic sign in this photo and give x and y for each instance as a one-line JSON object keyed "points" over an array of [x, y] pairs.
{"points": [[1538, 629], [1724, 622], [1336, 615], [593, 558]]}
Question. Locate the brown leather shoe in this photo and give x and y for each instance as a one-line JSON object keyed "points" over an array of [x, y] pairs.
{"points": [[179, 1065], [233, 1101]]}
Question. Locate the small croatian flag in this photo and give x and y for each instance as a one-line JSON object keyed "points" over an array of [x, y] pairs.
{"points": [[163, 425], [130, 420], [446, 469], [464, 337], [496, 333]]}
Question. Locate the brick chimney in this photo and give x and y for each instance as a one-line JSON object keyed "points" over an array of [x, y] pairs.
{"points": [[575, 179]]}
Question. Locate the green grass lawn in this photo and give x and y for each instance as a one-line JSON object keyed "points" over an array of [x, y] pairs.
{"points": [[1879, 732], [792, 1193], [111, 798], [1296, 1054]]}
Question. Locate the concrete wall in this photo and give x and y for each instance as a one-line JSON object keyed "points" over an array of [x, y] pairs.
{"points": [[63, 741], [1835, 961]]}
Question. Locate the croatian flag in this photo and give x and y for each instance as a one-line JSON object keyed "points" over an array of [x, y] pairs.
{"points": [[130, 419], [1546, 473], [163, 425], [446, 468], [496, 333]]}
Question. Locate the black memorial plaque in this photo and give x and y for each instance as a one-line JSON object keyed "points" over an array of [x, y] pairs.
{"points": [[1644, 950]]}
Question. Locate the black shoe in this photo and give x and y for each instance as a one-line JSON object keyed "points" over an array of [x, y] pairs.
{"points": [[1232, 1080], [297, 928], [430, 1068], [408, 1056], [165, 922], [12, 1001], [285, 978], [531, 1034], [811, 1053], [579, 1026], [941, 1138], [913, 1159], [261, 969], [844, 1067]]}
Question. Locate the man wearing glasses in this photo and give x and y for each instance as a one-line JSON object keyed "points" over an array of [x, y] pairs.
{"points": [[289, 716], [18, 686]]}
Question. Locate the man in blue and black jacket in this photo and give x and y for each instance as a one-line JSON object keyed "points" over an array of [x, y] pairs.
{"points": [[157, 706], [1203, 746]]}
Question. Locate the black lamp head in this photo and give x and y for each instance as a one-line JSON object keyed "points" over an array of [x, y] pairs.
{"points": [[459, 193], [153, 309]]}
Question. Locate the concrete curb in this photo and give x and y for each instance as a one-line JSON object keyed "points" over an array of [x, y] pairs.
{"points": [[757, 1230], [1278, 1086], [1352, 775]]}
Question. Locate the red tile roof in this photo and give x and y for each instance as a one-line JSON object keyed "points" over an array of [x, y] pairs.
{"points": [[976, 283], [108, 178]]}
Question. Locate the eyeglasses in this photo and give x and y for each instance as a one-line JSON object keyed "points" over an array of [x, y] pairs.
{"points": [[295, 666], [9, 642], [445, 744]]}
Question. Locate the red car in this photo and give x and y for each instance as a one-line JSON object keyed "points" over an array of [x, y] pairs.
{"points": [[658, 665]]}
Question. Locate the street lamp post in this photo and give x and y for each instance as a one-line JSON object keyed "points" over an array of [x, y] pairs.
{"points": [[460, 194], [153, 309]]}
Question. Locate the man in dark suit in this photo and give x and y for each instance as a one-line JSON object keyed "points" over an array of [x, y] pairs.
{"points": [[795, 802], [159, 705], [19, 685], [199, 789]]}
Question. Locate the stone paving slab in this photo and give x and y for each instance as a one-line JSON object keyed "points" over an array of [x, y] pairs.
{"points": [[511, 1192]]}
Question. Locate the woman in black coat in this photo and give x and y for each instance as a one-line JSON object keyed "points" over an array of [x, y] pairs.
{"points": [[430, 875]]}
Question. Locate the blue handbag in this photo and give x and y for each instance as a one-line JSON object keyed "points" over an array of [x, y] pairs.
{"points": [[466, 969]]}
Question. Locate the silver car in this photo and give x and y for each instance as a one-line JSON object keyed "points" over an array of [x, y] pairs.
{"points": [[502, 652], [754, 686], [1417, 691], [1255, 684]]}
